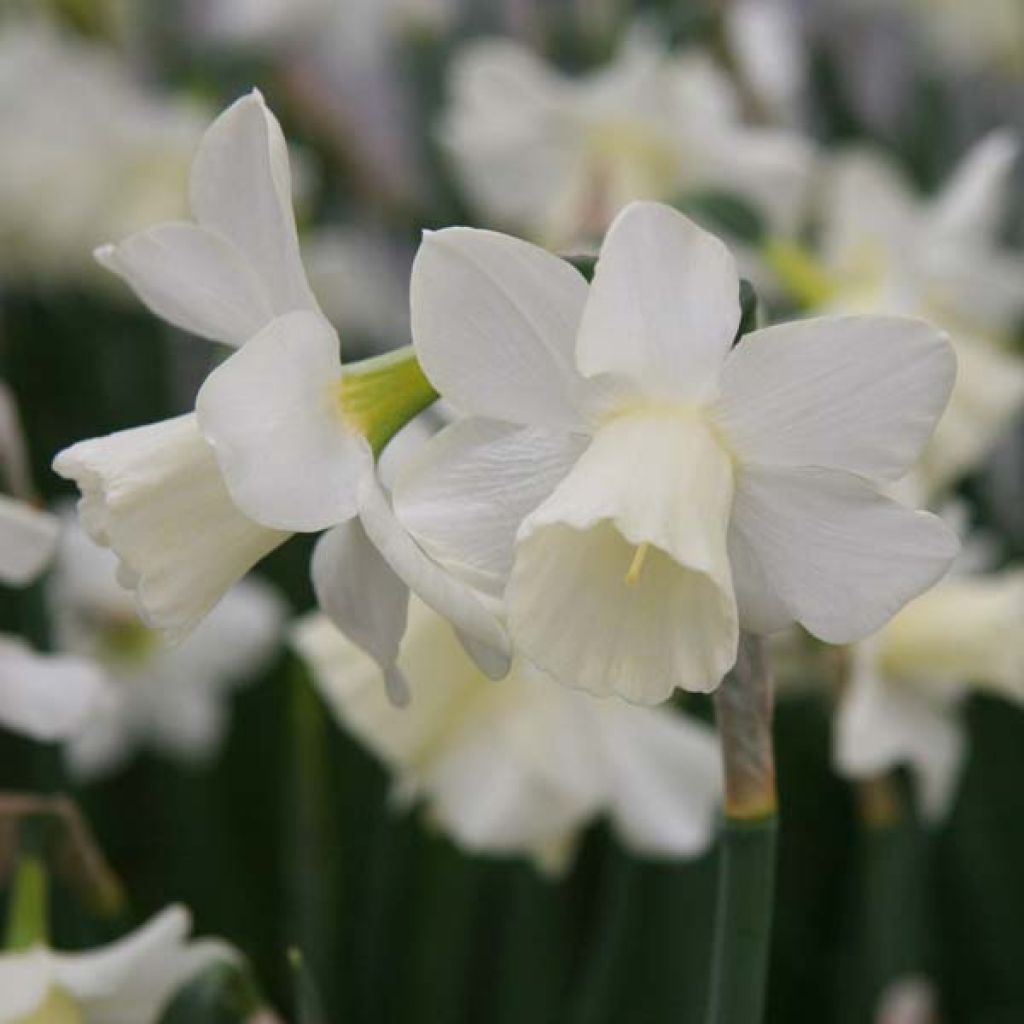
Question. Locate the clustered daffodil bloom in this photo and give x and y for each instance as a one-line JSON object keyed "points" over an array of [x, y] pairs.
{"points": [[647, 488], [520, 767], [130, 981], [884, 249], [556, 157], [281, 441], [901, 702]]}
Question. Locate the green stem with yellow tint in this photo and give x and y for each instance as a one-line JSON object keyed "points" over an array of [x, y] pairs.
{"points": [[28, 908], [382, 394], [746, 873]]}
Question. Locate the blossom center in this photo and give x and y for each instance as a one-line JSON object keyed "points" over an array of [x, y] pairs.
{"points": [[57, 1008]]}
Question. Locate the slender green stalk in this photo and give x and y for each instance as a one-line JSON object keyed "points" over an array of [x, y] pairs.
{"points": [[746, 880], [28, 909]]}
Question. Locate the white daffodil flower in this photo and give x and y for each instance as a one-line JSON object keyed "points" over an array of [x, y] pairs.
{"points": [[901, 703], [130, 981], [155, 494], [88, 154], [647, 488], [556, 157], [521, 766], [171, 698], [886, 250], [280, 441]]}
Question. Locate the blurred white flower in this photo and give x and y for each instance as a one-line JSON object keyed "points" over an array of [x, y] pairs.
{"points": [[556, 157], [88, 153], [172, 698], [888, 250], [130, 981], [48, 697], [280, 441], [521, 766], [901, 703], [646, 488]]}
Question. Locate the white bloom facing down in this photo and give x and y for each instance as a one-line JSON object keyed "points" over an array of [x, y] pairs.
{"points": [[173, 698], [887, 250], [689, 478], [556, 157], [520, 766], [906, 684], [130, 981]]}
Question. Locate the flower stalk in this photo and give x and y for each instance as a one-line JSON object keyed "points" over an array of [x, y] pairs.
{"points": [[28, 907], [746, 881]]}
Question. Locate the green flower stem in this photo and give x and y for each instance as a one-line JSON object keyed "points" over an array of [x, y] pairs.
{"points": [[746, 880], [28, 908], [380, 395]]}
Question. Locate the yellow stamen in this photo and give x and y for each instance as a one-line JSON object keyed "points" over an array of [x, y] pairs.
{"points": [[636, 566]]}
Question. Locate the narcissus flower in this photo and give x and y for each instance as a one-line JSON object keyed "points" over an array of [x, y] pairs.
{"points": [[520, 766], [130, 981], [556, 157], [647, 488], [281, 441], [173, 698], [886, 250], [901, 703]]}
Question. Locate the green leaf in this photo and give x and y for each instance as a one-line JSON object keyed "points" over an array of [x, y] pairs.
{"points": [[725, 213]]}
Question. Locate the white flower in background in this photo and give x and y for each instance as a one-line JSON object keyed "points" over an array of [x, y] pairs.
{"points": [[645, 487], [887, 250], [88, 154], [901, 703], [520, 766], [556, 157], [171, 698], [361, 280], [341, 62], [130, 981], [280, 442]]}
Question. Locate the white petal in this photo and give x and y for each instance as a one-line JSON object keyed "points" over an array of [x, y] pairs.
{"points": [[362, 596], [972, 204], [647, 479], [25, 980], [664, 306], [241, 187], [840, 556], [968, 629], [664, 776], [859, 393], [131, 981], [467, 608], [466, 492], [272, 414], [47, 697], [494, 322], [28, 541], [193, 278], [881, 726], [155, 495]]}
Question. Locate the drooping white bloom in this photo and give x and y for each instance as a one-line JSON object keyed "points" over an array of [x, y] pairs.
{"points": [[556, 157], [520, 766], [645, 487], [173, 698], [901, 703], [155, 494], [88, 154], [130, 981], [280, 442], [887, 250]]}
